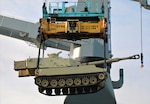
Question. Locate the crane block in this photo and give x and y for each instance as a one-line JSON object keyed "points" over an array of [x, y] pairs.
{"points": [[72, 29], [68, 23]]}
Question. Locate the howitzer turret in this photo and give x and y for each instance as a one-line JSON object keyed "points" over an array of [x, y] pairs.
{"points": [[65, 76]]}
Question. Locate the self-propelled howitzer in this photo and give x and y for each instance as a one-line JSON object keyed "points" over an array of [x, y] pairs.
{"points": [[66, 76]]}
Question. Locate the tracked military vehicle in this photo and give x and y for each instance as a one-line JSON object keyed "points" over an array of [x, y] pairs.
{"points": [[65, 76], [62, 76]]}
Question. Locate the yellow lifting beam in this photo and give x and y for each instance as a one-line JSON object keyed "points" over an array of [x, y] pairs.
{"points": [[72, 29]]}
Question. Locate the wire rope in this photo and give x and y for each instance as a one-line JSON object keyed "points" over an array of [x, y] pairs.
{"points": [[141, 35]]}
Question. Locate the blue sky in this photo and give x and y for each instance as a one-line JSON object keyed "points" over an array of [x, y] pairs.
{"points": [[125, 36]]}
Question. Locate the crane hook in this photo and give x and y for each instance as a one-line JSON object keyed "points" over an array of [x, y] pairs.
{"points": [[142, 65]]}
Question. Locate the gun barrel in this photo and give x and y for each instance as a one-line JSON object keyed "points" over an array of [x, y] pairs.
{"points": [[112, 60]]}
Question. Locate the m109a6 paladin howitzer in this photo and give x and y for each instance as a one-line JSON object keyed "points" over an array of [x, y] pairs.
{"points": [[65, 76]]}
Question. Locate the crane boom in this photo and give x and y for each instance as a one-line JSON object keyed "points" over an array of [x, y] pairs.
{"points": [[144, 3]]}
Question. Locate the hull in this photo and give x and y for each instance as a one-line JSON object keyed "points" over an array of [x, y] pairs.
{"points": [[70, 80]]}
